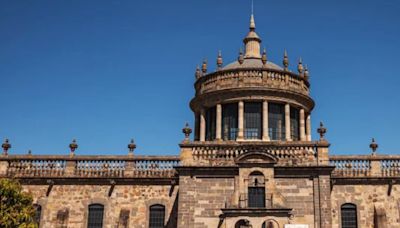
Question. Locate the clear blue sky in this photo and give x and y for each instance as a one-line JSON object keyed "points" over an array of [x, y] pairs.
{"points": [[105, 71]]}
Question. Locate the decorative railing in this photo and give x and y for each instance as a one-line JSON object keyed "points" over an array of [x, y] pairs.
{"points": [[89, 166], [263, 77], [287, 153], [366, 166]]}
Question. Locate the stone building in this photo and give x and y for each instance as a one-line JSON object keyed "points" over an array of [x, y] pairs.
{"points": [[251, 163]]}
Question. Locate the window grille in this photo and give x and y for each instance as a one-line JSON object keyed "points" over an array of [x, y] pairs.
{"points": [[38, 213], [95, 218], [256, 196], [210, 123], [276, 121], [229, 121], [252, 120], [157, 216], [349, 215], [294, 123]]}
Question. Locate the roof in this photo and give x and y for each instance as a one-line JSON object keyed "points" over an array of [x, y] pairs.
{"points": [[252, 63]]}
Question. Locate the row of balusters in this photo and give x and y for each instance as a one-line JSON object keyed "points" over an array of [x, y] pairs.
{"points": [[213, 152], [93, 168], [363, 167], [275, 76]]}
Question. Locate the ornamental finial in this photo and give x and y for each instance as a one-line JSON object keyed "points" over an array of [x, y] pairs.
{"points": [[306, 73], [204, 66], [241, 57], [131, 147], [73, 146], [219, 60], [373, 146], [321, 131], [6, 146], [300, 66], [197, 74], [187, 131], [285, 61], [264, 57]]}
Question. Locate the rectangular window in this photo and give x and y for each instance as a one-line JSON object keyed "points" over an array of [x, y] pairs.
{"points": [[256, 197], [157, 216], [294, 124], [253, 120], [229, 121], [95, 218], [210, 123], [276, 121]]}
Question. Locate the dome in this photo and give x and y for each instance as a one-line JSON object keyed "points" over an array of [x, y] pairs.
{"points": [[252, 63]]}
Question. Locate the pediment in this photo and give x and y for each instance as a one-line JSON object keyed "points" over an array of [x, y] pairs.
{"points": [[256, 158]]}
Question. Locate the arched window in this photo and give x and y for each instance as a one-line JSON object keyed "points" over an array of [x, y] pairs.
{"points": [[243, 224], [348, 213], [268, 224], [256, 190], [157, 216], [252, 120], [38, 213], [229, 121], [95, 218]]}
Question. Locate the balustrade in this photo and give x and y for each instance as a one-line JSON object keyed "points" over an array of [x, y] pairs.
{"points": [[366, 166], [249, 77], [88, 166]]}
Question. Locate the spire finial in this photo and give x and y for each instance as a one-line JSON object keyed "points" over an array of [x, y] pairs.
{"points": [[264, 57], [131, 147], [6, 146], [241, 57], [373, 146], [252, 23], [204, 66], [219, 60], [73, 146], [285, 61], [300, 66], [197, 74], [306, 73]]}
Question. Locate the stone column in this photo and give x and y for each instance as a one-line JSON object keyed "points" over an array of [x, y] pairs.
{"points": [[265, 136], [287, 123], [302, 126], [308, 127], [202, 126], [240, 135], [218, 123], [196, 127]]}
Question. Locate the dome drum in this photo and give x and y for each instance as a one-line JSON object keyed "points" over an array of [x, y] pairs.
{"points": [[252, 78]]}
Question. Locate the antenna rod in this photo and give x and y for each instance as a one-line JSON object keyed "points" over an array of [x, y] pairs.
{"points": [[252, 7]]}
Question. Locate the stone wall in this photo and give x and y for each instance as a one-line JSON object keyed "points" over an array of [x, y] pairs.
{"points": [[136, 199], [201, 200], [298, 194], [367, 198]]}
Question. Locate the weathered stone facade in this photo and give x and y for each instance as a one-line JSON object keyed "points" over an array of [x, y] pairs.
{"points": [[251, 163]]}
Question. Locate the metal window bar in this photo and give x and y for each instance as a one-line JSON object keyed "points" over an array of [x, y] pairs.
{"points": [[294, 123], [276, 121], [210, 123], [256, 197], [349, 216], [38, 213], [252, 120], [229, 121], [157, 216], [95, 218]]}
